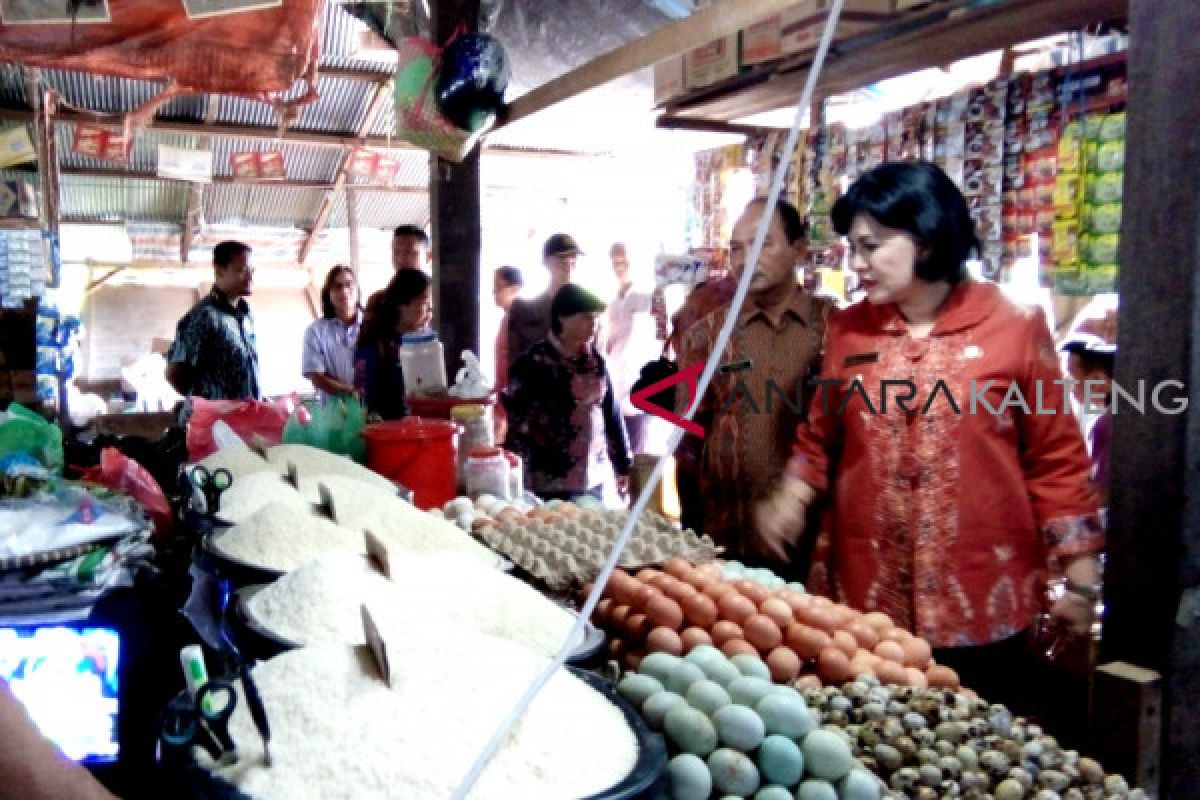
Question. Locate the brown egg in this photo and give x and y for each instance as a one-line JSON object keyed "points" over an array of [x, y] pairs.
{"points": [[861, 667], [619, 586], [736, 608], [778, 610], [633, 659], [617, 617], [833, 666], [878, 620], [601, 615], [889, 672], [892, 651], [784, 665], [755, 591], [700, 610], [843, 616], [865, 635], [845, 642], [796, 601], [647, 574], [678, 567], [815, 617], [821, 601], [637, 626], [718, 589], [917, 653], [762, 632], [896, 635], [698, 581], [807, 682], [616, 649], [682, 592], [663, 582], [941, 677], [710, 571], [665, 612], [641, 595], [693, 638], [735, 646], [807, 642], [723, 630], [664, 640], [915, 678]]}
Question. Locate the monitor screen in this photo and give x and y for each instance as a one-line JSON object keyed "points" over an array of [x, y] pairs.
{"points": [[66, 677]]}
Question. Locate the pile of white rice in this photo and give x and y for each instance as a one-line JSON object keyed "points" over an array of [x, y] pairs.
{"points": [[250, 493], [339, 732], [385, 514], [313, 461], [240, 461], [320, 602], [282, 536]]}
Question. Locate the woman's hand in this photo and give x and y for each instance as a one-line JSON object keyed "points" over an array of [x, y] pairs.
{"points": [[780, 519], [1074, 613]]}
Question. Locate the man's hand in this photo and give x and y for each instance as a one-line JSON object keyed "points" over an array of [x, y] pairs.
{"points": [[780, 518]]}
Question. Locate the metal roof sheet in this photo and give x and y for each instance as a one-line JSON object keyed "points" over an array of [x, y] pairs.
{"points": [[261, 205], [382, 209], [89, 199]]}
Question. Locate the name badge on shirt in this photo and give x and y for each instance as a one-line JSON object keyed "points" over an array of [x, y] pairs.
{"points": [[860, 358]]}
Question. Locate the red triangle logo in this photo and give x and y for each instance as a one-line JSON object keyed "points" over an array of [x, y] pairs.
{"points": [[641, 398]]}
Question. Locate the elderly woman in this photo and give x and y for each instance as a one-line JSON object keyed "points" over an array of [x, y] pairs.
{"points": [[563, 417], [405, 306], [948, 511], [329, 342]]}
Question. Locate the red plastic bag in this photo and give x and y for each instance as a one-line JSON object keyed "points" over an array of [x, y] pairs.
{"points": [[253, 420], [121, 473]]}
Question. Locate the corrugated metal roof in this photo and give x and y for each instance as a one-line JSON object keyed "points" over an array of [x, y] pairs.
{"points": [[339, 42], [12, 85], [189, 107], [302, 163], [142, 158], [109, 199], [382, 209], [101, 93], [261, 205]]}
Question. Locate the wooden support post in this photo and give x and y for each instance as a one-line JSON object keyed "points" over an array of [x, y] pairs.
{"points": [[1126, 723], [455, 207], [1154, 515], [352, 224], [46, 144], [195, 205]]}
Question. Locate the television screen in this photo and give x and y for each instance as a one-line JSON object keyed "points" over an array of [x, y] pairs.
{"points": [[66, 678]]}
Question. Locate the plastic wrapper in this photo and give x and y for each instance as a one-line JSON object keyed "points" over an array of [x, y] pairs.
{"points": [[418, 119], [23, 431], [334, 426], [121, 473], [254, 421], [259, 53]]}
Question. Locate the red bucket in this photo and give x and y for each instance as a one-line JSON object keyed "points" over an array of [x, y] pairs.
{"points": [[420, 454]]}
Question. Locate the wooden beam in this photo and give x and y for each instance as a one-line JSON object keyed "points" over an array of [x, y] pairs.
{"points": [[105, 278], [712, 126], [352, 225], [45, 144], [929, 40], [1152, 581], [705, 25], [383, 94], [191, 217]]}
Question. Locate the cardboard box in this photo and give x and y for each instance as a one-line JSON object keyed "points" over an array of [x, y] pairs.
{"points": [[711, 63], [763, 41], [668, 79], [804, 22]]}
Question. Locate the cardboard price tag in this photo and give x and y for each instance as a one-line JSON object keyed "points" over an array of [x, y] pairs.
{"points": [[378, 552], [377, 645], [326, 507]]}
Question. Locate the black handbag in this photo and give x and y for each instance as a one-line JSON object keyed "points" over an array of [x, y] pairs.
{"points": [[660, 369]]}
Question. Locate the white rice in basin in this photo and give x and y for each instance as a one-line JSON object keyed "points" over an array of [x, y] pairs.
{"points": [[339, 733], [314, 461]]}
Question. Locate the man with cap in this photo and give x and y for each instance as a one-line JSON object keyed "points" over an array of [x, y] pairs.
{"points": [[563, 416], [1090, 363], [529, 320]]}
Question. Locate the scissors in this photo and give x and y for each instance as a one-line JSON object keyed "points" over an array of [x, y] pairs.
{"points": [[212, 484], [201, 720]]}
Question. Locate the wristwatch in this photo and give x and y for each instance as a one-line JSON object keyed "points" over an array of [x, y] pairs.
{"points": [[1089, 593]]}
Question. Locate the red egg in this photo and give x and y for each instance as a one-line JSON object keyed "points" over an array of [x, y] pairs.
{"points": [[723, 630], [762, 632], [778, 610], [693, 638], [637, 626], [807, 642], [755, 591], [678, 567], [736, 608], [700, 610], [845, 642], [665, 612], [664, 640], [735, 646], [784, 665]]}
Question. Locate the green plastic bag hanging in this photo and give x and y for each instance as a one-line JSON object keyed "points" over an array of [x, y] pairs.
{"points": [[333, 426], [24, 431]]}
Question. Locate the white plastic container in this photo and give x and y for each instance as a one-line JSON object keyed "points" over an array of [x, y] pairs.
{"points": [[423, 363], [487, 473], [477, 432]]}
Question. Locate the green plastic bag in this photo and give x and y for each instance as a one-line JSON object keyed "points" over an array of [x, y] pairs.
{"points": [[23, 431], [334, 426]]}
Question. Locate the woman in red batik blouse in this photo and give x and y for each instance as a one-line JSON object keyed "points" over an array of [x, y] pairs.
{"points": [[949, 510]]}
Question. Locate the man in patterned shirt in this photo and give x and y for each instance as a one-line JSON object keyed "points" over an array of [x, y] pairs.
{"points": [[214, 355]]}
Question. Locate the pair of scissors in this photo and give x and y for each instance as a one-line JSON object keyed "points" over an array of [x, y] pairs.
{"points": [[201, 720], [211, 484]]}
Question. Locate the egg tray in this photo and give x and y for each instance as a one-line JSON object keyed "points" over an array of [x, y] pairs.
{"points": [[258, 642], [567, 553]]}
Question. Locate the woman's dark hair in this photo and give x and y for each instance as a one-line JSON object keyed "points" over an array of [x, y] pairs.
{"points": [[380, 326], [327, 309], [917, 197], [510, 275]]}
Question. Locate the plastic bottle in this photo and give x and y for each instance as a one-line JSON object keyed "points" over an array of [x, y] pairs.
{"points": [[487, 473], [423, 364], [476, 422]]}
